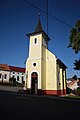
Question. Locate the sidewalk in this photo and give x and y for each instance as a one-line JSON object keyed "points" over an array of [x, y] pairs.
{"points": [[10, 88]]}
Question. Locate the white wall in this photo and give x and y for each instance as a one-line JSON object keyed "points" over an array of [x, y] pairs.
{"points": [[3, 76], [10, 74], [16, 74]]}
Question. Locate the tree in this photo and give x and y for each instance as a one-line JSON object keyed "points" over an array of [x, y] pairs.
{"points": [[75, 37], [74, 77], [12, 80], [77, 65], [75, 42]]}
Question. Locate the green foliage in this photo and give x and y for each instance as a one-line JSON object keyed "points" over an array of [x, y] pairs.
{"points": [[73, 97], [75, 37], [77, 65], [12, 80], [74, 77], [78, 91]]}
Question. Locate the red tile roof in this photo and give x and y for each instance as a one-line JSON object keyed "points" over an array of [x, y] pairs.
{"points": [[16, 69], [4, 67]]}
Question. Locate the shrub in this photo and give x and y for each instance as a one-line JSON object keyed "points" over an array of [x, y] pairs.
{"points": [[12, 80], [78, 91]]}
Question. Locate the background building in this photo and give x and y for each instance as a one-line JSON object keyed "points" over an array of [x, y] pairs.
{"points": [[7, 72]]}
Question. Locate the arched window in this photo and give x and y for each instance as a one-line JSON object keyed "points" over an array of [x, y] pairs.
{"points": [[35, 40]]}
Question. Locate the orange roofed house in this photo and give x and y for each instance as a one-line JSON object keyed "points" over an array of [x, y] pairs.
{"points": [[7, 72]]}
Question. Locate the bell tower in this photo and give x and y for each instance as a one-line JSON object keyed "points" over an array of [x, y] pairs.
{"points": [[37, 52], [37, 39]]}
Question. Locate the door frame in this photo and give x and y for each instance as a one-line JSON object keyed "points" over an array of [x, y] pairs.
{"points": [[34, 83]]}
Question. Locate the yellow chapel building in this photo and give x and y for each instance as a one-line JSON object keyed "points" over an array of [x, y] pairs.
{"points": [[46, 74]]}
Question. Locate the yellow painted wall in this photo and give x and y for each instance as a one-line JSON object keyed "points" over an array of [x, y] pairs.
{"points": [[43, 75], [43, 70], [35, 54], [62, 80], [61, 83], [35, 49], [30, 69], [51, 83], [65, 79], [49, 70], [58, 77], [46, 68]]}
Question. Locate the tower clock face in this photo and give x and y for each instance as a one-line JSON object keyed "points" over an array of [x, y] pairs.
{"points": [[44, 43]]}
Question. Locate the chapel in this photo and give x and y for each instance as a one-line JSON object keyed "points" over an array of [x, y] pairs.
{"points": [[46, 74]]}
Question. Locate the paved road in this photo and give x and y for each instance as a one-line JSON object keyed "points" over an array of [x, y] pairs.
{"points": [[16, 106]]}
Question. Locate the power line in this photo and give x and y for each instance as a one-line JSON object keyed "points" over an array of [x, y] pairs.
{"points": [[48, 13]]}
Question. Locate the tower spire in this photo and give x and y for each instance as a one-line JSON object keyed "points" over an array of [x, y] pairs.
{"points": [[39, 15], [39, 30], [39, 26]]}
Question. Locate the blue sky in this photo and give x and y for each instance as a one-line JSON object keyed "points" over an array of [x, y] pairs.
{"points": [[18, 18]]}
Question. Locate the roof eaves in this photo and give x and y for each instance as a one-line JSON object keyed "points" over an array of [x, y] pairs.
{"points": [[35, 33], [61, 63]]}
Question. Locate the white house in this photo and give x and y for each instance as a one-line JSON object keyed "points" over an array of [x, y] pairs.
{"points": [[7, 72], [72, 84]]}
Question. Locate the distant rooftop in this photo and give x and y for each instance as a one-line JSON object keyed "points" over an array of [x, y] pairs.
{"points": [[16, 69], [6, 67]]}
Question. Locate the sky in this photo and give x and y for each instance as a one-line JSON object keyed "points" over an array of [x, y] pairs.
{"points": [[17, 18]]}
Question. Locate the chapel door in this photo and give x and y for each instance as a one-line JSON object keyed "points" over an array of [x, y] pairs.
{"points": [[34, 83]]}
